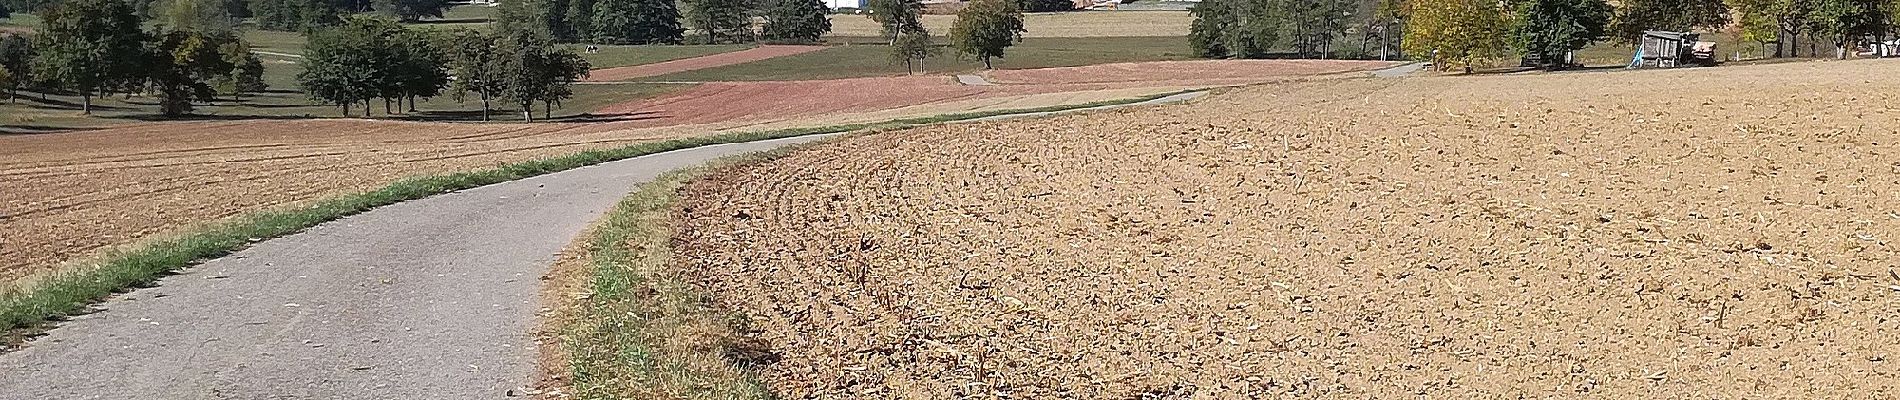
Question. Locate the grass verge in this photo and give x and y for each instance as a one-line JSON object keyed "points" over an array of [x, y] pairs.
{"points": [[26, 310], [639, 331]]}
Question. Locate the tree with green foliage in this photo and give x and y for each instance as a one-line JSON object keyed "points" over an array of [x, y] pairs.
{"points": [[545, 17], [1387, 23], [580, 18], [1548, 30], [530, 69], [474, 58], [1841, 21], [797, 21], [417, 68], [294, 15], [340, 69], [1633, 17], [247, 71], [1457, 32], [6, 11], [1313, 25], [912, 48], [410, 10], [90, 46], [636, 22], [183, 62], [720, 21], [16, 55], [1234, 28], [984, 28], [897, 17], [203, 16]]}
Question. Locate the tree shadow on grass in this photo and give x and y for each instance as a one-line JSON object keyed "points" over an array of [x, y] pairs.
{"points": [[22, 129]]}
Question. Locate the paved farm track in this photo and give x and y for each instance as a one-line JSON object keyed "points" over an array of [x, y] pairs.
{"points": [[426, 299]]}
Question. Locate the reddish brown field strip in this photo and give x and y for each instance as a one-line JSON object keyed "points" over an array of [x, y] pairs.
{"points": [[702, 62]]}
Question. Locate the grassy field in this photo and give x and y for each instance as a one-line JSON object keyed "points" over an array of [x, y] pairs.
{"points": [[859, 57]]}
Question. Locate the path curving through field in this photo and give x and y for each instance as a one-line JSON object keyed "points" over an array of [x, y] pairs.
{"points": [[432, 298]]}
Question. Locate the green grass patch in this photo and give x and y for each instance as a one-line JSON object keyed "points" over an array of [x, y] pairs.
{"points": [[643, 332], [860, 57], [26, 309], [621, 56], [21, 20]]}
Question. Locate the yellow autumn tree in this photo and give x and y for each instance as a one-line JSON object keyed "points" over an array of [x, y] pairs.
{"points": [[1462, 33]]}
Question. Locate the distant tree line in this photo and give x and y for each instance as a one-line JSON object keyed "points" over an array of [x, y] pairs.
{"points": [[1466, 32], [659, 21], [94, 48]]}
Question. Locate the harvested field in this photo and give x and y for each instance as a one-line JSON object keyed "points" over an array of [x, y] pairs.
{"points": [[1204, 70], [1659, 234], [773, 100], [1069, 24], [71, 194], [689, 64]]}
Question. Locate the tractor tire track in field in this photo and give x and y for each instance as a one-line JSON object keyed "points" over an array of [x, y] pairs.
{"points": [[427, 299]]}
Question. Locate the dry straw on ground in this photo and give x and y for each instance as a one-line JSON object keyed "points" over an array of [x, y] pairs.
{"points": [[1677, 233]]}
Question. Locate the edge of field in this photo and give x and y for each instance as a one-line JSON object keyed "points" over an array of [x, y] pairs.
{"points": [[621, 323], [26, 310]]}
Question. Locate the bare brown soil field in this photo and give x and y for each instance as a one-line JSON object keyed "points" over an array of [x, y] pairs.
{"points": [[71, 194], [1068, 24], [1204, 70], [689, 64], [1702, 233]]}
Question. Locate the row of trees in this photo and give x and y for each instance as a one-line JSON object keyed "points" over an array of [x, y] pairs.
{"points": [[370, 58], [282, 15], [1466, 32], [658, 21], [99, 47]]}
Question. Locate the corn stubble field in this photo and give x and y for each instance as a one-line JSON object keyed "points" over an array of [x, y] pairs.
{"points": [[1646, 234]]}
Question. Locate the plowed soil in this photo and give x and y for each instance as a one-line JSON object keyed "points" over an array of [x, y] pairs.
{"points": [[1723, 232], [70, 194], [689, 64]]}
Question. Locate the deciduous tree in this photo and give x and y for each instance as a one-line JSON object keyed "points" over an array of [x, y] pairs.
{"points": [[797, 21], [912, 48], [984, 28], [474, 58], [294, 15], [1635, 16], [636, 22], [1457, 32], [1235, 28], [89, 46], [721, 20], [410, 10], [182, 64], [1549, 30], [897, 17], [16, 55]]}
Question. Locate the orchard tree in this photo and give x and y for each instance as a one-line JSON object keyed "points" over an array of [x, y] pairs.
{"points": [[16, 55], [716, 19], [636, 22], [294, 15], [1234, 28], [984, 28], [897, 17], [1460, 32], [202, 16], [912, 48], [247, 71], [410, 10], [797, 21], [1550, 29], [475, 58], [417, 68], [1840, 21], [89, 46], [182, 64], [530, 69], [1635, 16]]}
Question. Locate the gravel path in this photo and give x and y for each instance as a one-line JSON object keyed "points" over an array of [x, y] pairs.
{"points": [[429, 299]]}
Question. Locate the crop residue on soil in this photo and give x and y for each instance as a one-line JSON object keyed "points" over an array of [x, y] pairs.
{"points": [[1651, 234]]}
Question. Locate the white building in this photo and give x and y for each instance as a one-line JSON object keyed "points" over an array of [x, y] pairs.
{"points": [[837, 4]]}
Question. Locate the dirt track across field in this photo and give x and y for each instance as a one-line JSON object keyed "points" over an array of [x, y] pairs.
{"points": [[1657, 234], [701, 62]]}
